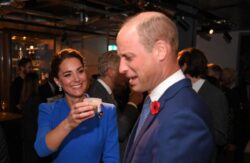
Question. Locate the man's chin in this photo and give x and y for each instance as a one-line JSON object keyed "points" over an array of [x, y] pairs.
{"points": [[136, 88]]}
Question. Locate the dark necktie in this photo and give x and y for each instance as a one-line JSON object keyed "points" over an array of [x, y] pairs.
{"points": [[144, 115]]}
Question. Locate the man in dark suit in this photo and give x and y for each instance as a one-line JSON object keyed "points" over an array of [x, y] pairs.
{"points": [[49, 90], [194, 65], [24, 67], [175, 126], [112, 87]]}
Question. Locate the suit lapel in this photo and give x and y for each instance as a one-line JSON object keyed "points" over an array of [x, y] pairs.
{"points": [[130, 145], [169, 93]]}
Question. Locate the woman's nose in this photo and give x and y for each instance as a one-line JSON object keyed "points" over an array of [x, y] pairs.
{"points": [[76, 77]]}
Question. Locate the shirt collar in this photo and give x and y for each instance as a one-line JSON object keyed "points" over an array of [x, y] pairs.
{"points": [[197, 85], [108, 89], [164, 85]]}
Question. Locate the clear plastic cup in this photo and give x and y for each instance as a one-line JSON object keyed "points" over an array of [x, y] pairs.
{"points": [[95, 102]]}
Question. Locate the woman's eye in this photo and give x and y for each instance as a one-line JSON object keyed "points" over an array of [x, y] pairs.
{"points": [[66, 75], [82, 70]]}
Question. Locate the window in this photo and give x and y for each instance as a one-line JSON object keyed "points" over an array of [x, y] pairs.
{"points": [[112, 47]]}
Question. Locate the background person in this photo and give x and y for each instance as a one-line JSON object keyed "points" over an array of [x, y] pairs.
{"points": [[69, 128], [112, 87], [24, 67], [193, 63], [29, 103], [49, 91]]}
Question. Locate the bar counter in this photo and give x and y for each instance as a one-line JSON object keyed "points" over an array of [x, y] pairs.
{"points": [[8, 116]]}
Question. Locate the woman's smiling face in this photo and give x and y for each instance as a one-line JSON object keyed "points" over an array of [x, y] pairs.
{"points": [[72, 78]]}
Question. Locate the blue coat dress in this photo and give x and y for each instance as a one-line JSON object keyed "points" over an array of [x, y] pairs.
{"points": [[93, 140]]}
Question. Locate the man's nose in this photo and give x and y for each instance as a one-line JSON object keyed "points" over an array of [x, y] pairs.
{"points": [[122, 66]]}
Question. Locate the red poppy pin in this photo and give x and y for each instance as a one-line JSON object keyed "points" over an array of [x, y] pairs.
{"points": [[154, 107]]}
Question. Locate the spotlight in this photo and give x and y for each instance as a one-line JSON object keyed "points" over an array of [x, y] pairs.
{"points": [[84, 17], [211, 31]]}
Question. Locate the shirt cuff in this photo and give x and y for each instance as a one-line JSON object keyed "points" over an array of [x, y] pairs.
{"points": [[133, 104]]}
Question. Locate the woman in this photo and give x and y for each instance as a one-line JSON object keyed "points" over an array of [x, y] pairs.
{"points": [[69, 128]]}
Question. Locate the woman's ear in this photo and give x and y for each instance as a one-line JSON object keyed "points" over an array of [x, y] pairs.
{"points": [[57, 82]]}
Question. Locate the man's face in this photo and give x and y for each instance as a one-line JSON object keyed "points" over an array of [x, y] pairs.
{"points": [[28, 68], [135, 61]]}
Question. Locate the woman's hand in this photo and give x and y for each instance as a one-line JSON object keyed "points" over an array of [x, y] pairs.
{"points": [[80, 112]]}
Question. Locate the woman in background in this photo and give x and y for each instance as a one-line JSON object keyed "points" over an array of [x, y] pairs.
{"points": [[69, 128]]}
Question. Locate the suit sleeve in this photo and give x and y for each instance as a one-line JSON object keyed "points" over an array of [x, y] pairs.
{"points": [[111, 147], [184, 138], [221, 119], [44, 127]]}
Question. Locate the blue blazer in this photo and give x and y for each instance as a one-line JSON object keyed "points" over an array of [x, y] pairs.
{"points": [[179, 133], [93, 140]]}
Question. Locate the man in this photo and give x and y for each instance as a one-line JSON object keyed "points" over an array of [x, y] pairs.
{"points": [[177, 124], [24, 67], [112, 87], [108, 72], [49, 91], [194, 65], [214, 74]]}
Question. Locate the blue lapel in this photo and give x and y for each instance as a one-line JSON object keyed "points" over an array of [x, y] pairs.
{"points": [[169, 93]]}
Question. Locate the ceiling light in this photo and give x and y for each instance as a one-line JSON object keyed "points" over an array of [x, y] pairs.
{"points": [[13, 37], [84, 17], [211, 31]]}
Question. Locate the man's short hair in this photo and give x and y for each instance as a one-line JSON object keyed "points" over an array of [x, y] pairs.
{"points": [[23, 62], [108, 60], [195, 60]]}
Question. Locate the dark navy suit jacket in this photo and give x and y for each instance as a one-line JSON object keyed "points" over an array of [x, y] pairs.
{"points": [[179, 133]]}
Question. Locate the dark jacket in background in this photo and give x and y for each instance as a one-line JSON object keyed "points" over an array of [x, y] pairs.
{"points": [[46, 91], [127, 115], [217, 104], [4, 155], [15, 93]]}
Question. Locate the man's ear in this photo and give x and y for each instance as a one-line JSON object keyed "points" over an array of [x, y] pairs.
{"points": [[161, 49], [111, 72]]}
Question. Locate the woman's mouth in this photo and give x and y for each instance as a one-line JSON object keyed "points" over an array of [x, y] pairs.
{"points": [[76, 86]]}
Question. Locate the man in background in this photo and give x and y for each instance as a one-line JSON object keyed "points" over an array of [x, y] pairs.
{"points": [[112, 87], [49, 91], [24, 67], [194, 65]]}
